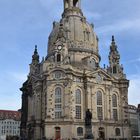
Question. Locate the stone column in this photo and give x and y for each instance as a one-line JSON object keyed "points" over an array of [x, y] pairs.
{"points": [[38, 92]]}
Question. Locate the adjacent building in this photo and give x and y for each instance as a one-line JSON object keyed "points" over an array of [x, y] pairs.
{"points": [[133, 120], [138, 112], [9, 123], [61, 87]]}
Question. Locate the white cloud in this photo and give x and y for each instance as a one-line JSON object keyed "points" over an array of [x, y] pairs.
{"points": [[120, 26], [10, 95], [21, 77], [93, 15], [12, 102], [134, 90], [133, 60]]}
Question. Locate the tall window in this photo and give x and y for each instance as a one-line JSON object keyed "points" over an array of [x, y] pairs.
{"points": [[78, 96], [114, 70], [78, 104], [78, 112], [115, 114], [99, 98], [99, 105], [58, 102], [88, 36], [114, 107], [114, 100], [58, 57], [100, 113]]}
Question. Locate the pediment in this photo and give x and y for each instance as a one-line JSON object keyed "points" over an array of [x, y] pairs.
{"points": [[34, 78], [58, 42], [102, 73]]}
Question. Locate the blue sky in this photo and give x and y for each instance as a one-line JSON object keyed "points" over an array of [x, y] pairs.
{"points": [[25, 23]]}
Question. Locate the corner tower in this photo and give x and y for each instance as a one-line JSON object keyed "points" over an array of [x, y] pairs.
{"points": [[115, 68]]}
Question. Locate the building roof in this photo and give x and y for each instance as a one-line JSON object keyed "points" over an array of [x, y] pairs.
{"points": [[132, 107], [10, 114]]}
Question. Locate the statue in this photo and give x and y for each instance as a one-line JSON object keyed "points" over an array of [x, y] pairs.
{"points": [[88, 118], [88, 125]]}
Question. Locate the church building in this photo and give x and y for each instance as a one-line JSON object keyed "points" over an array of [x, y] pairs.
{"points": [[60, 88]]}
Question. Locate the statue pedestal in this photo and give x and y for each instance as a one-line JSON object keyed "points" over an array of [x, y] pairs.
{"points": [[88, 126], [88, 132]]}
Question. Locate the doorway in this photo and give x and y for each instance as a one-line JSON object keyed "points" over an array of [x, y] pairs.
{"points": [[101, 133], [57, 133]]}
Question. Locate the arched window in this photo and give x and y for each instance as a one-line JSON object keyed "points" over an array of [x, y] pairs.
{"points": [[114, 100], [78, 96], [114, 107], [78, 104], [99, 98], [99, 105], [75, 3], [117, 132], [92, 63], [79, 131], [58, 95], [58, 102]]}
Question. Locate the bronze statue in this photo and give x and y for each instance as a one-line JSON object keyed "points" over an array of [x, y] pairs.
{"points": [[88, 117]]}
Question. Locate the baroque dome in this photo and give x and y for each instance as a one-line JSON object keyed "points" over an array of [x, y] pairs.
{"points": [[74, 31]]}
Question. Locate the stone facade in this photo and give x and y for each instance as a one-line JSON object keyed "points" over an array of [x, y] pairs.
{"points": [[61, 87]]}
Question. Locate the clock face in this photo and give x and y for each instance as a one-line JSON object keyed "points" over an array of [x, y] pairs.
{"points": [[59, 47]]}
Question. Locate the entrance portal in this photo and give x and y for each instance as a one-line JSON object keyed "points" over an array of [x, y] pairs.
{"points": [[57, 133], [101, 133]]}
